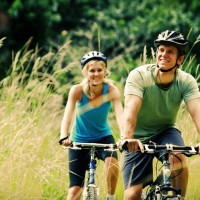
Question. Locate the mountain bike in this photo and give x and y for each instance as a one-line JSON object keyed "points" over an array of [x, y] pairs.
{"points": [[161, 188], [91, 190]]}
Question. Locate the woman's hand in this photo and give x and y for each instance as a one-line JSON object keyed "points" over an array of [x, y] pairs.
{"points": [[65, 141]]}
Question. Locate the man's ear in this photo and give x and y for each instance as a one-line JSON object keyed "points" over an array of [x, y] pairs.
{"points": [[180, 60]]}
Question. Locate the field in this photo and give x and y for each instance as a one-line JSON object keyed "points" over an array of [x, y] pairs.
{"points": [[32, 164]]}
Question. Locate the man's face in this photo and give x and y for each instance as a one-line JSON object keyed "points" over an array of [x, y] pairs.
{"points": [[167, 57]]}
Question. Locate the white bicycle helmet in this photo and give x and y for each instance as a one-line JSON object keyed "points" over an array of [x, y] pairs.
{"points": [[171, 37], [93, 55]]}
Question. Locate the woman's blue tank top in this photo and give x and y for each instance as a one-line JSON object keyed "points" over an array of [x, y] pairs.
{"points": [[91, 123]]}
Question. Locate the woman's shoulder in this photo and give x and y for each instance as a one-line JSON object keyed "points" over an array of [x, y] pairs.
{"points": [[113, 91], [76, 87], [76, 91], [112, 87]]}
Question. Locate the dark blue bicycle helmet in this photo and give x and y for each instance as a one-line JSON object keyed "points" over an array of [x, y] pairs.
{"points": [[93, 55], [172, 37]]}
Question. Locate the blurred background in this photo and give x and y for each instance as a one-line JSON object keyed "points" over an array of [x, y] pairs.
{"points": [[41, 45], [111, 26]]}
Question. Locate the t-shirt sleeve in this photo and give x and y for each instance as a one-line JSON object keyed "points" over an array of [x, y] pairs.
{"points": [[134, 84], [191, 90]]}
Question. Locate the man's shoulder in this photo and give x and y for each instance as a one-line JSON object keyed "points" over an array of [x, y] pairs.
{"points": [[143, 71], [182, 75], [142, 68]]}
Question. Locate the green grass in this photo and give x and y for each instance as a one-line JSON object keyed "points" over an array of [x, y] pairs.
{"points": [[32, 164]]}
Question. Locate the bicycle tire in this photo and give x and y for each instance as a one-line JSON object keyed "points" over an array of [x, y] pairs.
{"points": [[91, 192]]}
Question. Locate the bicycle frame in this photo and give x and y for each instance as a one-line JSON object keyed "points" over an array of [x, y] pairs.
{"points": [[92, 167], [160, 190], [91, 191]]}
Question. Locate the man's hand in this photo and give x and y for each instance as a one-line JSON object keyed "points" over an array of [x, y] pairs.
{"points": [[199, 147], [132, 145]]}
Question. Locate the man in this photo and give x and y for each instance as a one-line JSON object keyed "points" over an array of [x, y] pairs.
{"points": [[153, 95]]}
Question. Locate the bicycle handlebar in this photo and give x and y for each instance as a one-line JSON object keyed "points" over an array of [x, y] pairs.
{"points": [[186, 150], [148, 148], [106, 147], [153, 148]]}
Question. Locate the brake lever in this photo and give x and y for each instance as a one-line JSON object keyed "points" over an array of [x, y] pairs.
{"points": [[123, 146]]}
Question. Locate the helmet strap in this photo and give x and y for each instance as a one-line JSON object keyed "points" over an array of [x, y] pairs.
{"points": [[167, 70]]}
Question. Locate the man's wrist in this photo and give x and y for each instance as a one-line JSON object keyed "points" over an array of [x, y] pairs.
{"points": [[124, 137]]}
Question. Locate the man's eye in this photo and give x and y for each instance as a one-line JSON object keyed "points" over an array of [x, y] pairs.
{"points": [[160, 50]]}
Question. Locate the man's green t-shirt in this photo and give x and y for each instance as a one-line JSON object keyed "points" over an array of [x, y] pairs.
{"points": [[160, 106]]}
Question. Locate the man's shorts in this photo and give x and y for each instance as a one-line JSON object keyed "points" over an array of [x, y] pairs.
{"points": [[79, 161], [137, 167]]}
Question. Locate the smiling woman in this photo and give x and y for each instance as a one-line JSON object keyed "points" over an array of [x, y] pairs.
{"points": [[94, 73], [91, 99]]}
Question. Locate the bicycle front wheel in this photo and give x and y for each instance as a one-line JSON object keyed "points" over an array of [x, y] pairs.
{"points": [[91, 192]]}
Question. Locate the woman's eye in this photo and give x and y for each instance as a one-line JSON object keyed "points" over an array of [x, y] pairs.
{"points": [[93, 71]]}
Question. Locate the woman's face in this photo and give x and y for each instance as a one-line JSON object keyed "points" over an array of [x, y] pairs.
{"points": [[96, 73]]}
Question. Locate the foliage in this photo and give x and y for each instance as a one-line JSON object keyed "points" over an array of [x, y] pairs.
{"points": [[114, 27]]}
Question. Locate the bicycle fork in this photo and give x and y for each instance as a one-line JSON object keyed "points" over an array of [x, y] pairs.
{"points": [[165, 188], [92, 166], [91, 191]]}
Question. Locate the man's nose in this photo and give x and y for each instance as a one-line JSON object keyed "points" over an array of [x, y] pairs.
{"points": [[164, 53]]}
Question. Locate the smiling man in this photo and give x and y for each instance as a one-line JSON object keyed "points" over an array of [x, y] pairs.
{"points": [[153, 95]]}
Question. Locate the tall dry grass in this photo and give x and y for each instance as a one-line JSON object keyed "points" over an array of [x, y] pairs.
{"points": [[32, 164]]}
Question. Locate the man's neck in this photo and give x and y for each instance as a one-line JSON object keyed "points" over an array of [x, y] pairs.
{"points": [[164, 78]]}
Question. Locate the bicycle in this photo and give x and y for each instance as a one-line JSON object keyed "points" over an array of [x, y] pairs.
{"points": [[161, 188], [91, 190]]}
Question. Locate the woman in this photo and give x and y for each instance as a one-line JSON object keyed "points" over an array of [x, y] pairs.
{"points": [[92, 101]]}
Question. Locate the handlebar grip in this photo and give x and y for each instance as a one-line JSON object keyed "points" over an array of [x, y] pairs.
{"points": [[196, 151], [124, 146]]}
